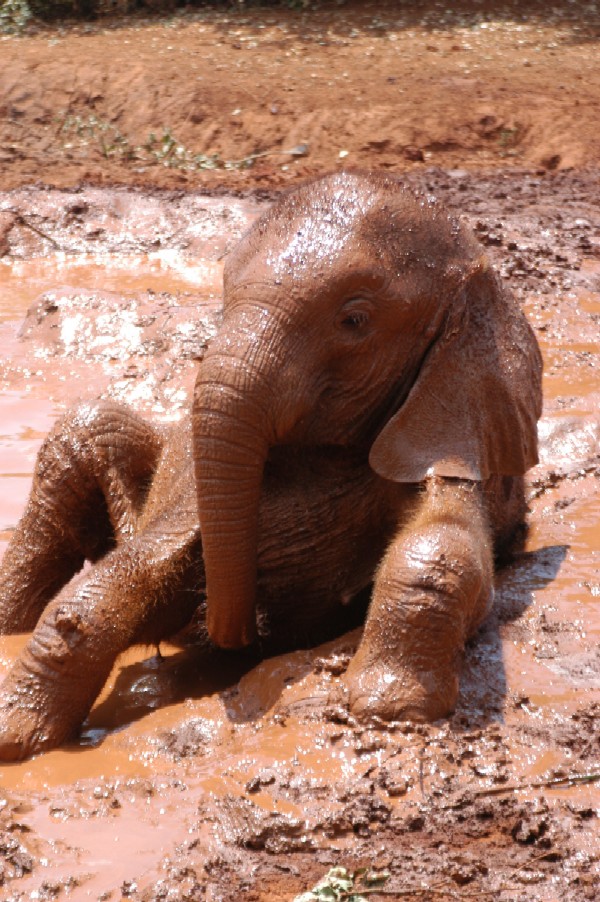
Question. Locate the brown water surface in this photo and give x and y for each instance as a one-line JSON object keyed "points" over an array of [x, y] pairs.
{"points": [[21, 282]]}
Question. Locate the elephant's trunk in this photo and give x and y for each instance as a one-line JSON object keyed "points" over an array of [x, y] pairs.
{"points": [[232, 435]]}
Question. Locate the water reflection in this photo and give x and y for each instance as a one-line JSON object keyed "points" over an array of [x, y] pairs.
{"points": [[22, 281]]}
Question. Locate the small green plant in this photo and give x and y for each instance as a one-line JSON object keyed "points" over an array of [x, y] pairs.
{"points": [[170, 152], [93, 130], [341, 885], [164, 149], [509, 139], [14, 15]]}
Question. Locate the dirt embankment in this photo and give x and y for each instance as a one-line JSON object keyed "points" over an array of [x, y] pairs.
{"points": [[211, 98]]}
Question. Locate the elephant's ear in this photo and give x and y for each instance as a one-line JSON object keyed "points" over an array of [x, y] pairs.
{"points": [[473, 408]]}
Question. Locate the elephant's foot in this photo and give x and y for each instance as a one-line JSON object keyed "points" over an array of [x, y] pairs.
{"points": [[399, 691], [431, 592], [50, 689], [33, 719]]}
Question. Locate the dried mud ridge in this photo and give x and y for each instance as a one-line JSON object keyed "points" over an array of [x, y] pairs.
{"points": [[253, 786]]}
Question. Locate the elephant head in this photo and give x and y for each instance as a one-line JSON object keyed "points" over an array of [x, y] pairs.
{"points": [[355, 314]]}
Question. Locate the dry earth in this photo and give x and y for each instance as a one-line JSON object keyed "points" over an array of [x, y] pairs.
{"points": [[395, 85], [206, 776]]}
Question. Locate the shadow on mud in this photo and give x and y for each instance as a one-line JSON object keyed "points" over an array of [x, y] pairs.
{"points": [[250, 683], [308, 26], [156, 682], [431, 16], [483, 682]]}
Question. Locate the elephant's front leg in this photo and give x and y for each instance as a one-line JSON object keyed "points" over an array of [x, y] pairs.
{"points": [[139, 592], [432, 590]]}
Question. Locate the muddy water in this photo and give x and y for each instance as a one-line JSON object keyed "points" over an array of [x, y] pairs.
{"points": [[192, 751], [22, 281], [25, 420], [150, 683]]}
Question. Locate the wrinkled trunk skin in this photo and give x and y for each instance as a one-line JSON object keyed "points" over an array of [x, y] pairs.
{"points": [[233, 430]]}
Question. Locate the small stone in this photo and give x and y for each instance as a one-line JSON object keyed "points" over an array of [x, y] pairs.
{"points": [[370, 741]]}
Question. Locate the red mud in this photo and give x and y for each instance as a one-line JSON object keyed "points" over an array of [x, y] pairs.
{"points": [[198, 776]]}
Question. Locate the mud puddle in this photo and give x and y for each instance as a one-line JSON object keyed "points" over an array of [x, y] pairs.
{"points": [[112, 308], [21, 282], [25, 420], [199, 775]]}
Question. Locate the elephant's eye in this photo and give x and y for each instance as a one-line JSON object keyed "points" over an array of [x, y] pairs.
{"points": [[356, 319], [355, 314]]}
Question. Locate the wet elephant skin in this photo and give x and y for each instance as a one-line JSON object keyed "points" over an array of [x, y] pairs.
{"points": [[364, 415]]}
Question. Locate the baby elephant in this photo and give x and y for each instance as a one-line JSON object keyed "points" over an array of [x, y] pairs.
{"points": [[365, 415]]}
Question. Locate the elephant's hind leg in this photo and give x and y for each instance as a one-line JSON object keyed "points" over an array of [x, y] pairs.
{"points": [[90, 481], [144, 590]]}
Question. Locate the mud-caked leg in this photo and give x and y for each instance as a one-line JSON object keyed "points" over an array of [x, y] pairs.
{"points": [[90, 482], [142, 591], [432, 590]]}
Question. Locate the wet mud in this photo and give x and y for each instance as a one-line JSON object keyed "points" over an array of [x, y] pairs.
{"points": [[204, 775]]}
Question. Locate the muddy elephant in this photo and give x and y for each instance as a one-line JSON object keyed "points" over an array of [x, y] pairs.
{"points": [[364, 415]]}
